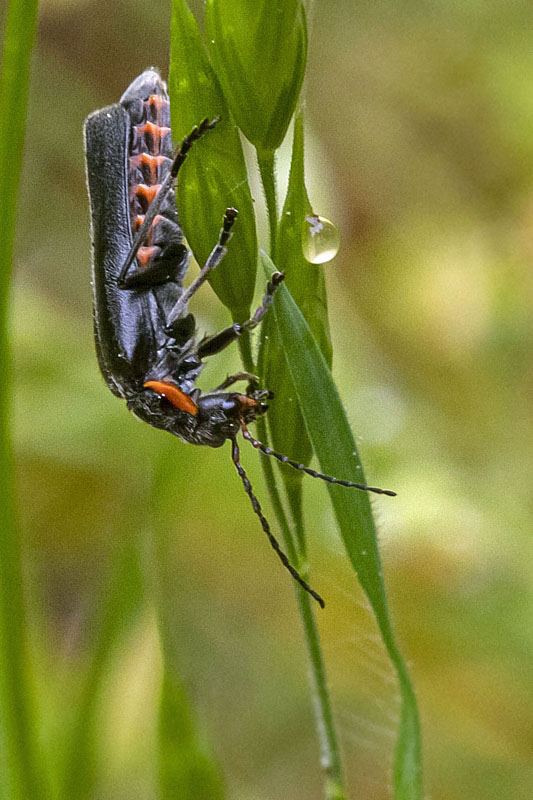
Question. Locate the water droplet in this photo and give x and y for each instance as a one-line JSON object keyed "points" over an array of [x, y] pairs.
{"points": [[320, 239]]}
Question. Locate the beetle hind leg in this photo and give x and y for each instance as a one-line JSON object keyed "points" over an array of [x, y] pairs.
{"points": [[218, 341], [215, 257]]}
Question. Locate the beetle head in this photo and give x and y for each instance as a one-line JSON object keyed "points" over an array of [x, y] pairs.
{"points": [[207, 419], [222, 414]]}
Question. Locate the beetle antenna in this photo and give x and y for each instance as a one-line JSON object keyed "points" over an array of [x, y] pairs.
{"points": [[267, 451], [235, 455]]}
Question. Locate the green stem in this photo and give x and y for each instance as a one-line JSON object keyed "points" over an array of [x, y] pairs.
{"points": [[295, 546], [275, 497], [21, 777], [245, 348], [329, 746], [267, 169]]}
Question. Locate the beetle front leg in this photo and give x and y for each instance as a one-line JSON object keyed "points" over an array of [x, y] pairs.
{"points": [[216, 256], [214, 344]]}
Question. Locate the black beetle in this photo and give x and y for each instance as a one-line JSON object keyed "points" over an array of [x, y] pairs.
{"points": [[145, 336]]}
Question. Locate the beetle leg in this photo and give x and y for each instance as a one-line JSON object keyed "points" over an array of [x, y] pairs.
{"points": [[216, 256], [231, 379], [218, 341], [211, 345]]}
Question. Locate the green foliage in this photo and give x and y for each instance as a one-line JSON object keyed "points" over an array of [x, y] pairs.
{"points": [[120, 606], [258, 49], [216, 177], [418, 130], [252, 80], [21, 774], [336, 450], [185, 770], [307, 286], [305, 281]]}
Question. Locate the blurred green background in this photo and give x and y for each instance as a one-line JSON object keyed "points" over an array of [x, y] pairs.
{"points": [[420, 147]]}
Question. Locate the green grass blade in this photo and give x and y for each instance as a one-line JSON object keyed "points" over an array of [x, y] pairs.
{"points": [[287, 427], [335, 448], [120, 605], [307, 286], [305, 281], [21, 773], [185, 769]]}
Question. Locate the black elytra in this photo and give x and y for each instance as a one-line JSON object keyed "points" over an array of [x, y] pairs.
{"points": [[146, 341]]}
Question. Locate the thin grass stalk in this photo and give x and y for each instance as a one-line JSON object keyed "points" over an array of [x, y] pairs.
{"points": [[267, 170], [22, 776], [330, 758]]}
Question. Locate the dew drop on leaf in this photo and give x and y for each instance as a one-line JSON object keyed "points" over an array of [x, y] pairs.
{"points": [[320, 239]]}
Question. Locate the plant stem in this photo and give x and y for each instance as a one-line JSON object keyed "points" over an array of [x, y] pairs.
{"points": [[245, 349], [295, 546], [267, 169], [330, 759], [21, 774], [329, 745]]}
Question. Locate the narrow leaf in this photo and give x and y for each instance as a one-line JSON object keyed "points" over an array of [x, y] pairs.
{"points": [[186, 771], [305, 280], [335, 448], [21, 773], [307, 286]]}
